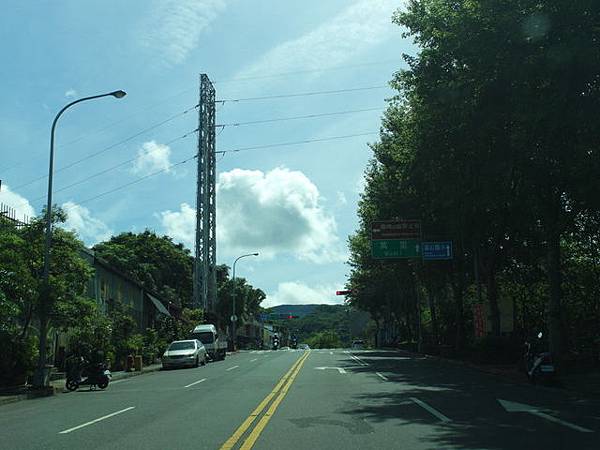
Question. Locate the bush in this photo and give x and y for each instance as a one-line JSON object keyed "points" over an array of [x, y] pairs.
{"points": [[17, 358]]}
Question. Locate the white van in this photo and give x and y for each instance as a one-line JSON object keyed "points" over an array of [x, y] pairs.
{"points": [[208, 335]]}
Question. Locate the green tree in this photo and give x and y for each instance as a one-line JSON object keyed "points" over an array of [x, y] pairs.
{"points": [[324, 339], [21, 263], [155, 261]]}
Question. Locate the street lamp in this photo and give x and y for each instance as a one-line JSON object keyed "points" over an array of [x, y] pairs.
{"points": [[40, 378], [233, 316]]}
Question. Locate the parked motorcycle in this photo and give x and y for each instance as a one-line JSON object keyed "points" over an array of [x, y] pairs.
{"points": [[92, 375], [538, 364]]}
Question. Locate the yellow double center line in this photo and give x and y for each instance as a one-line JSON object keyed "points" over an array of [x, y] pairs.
{"points": [[280, 390]]}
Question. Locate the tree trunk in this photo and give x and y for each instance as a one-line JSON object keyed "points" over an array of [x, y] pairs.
{"points": [[492, 295], [460, 319], [435, 328], [554, 305]]}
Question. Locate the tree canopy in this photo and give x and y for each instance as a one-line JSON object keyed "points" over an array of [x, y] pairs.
{"points": [[492, 142]]}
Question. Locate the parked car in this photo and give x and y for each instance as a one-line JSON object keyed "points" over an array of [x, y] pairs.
{"points": [[358, 344], [303, 347], [190, 353]]}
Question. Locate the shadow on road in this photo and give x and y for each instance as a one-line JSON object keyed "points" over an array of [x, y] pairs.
{"points": [[469, 399]]}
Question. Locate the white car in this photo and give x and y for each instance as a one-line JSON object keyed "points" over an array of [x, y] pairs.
{"points": [[190, 353]]}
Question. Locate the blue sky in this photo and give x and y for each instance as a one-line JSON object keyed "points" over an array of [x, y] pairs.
{"points": [[295, 205]]}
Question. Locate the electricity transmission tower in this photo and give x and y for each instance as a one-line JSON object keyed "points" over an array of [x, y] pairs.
{"points": [[205, 277]]}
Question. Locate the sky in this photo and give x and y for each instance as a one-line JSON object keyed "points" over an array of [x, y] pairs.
{"points": [[127, 164]]}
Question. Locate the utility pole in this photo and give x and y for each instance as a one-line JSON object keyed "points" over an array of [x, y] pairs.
{"points": [[205, 276]]}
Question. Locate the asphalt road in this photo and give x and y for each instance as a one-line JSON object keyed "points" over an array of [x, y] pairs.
{"points": [[322, 399]]}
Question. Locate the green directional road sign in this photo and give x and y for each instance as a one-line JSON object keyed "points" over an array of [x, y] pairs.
{"points": [[396, 248]]}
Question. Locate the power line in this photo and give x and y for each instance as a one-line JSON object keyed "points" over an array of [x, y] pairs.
{"points": [[308, 116], [299, 72], [303, 94], [116, 166], [171, 166], [166, 169], [110, 147], [306, 141]]}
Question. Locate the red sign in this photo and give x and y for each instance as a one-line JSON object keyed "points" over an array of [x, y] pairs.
{"points": [[396, 229], [342, 292]]}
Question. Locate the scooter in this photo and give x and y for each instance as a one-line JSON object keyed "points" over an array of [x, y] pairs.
{"points": [[92, 376], [539, 365]]}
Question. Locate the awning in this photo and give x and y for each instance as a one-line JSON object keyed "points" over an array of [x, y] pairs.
{"points": [[158, 304]]}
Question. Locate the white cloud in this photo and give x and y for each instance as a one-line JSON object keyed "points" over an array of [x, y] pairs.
{"points": [[357, 28], [71, 93], [180, 225], [341, 198], [173, 27], [275, 212], [151, 158], [20, 204], [297, 293], [91, 230], [278, 212]]}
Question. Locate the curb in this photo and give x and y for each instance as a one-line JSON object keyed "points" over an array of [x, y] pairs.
{"points": [[47, 392], [54, 390]]}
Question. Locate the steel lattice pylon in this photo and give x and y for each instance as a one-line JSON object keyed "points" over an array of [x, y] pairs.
{"points": [[205, 277]]}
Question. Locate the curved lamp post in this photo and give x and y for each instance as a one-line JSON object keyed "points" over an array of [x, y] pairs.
{"points": [[233, 316], [40, 378]]}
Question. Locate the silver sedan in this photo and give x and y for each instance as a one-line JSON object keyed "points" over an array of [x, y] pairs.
{"points": [[190, 353]]}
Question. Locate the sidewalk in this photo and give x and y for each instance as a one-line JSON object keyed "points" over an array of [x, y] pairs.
{"points": [[58, 386]]}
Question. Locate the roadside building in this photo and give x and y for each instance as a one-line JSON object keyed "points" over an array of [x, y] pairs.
{"points": [[107, 286]]}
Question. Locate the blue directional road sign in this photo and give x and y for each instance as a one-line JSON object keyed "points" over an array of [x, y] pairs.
{"points": [[437, 250]]}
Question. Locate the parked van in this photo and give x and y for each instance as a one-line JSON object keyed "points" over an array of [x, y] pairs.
{"points": [[216, 347]]}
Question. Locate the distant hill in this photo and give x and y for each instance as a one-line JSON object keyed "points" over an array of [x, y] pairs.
{"points": [[294, 310], [312, 319]]}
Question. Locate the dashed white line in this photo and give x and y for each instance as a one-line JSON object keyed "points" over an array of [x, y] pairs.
{"points": [[431, 410], [231, 368], [358, 360], [252, 360], [91, 422], [195, 382], [383, 377]]}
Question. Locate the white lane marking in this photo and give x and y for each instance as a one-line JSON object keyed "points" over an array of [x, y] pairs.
{"points": [[431, 410], [253, 351], [339, 369], [358, 360], [380, 375], [561, 422], [120, 381], [91, 422], [232, 367], [195, 382], [523, 407], [252, 360]]}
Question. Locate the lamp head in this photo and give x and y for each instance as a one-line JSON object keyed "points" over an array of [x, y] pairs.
{"points": [[118, 94]]}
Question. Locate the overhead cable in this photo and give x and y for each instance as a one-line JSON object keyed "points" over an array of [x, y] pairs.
{"points": [[308, 116], [116, 166], [166, 169], [302, 94], [110, 147], [306, 141]]}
